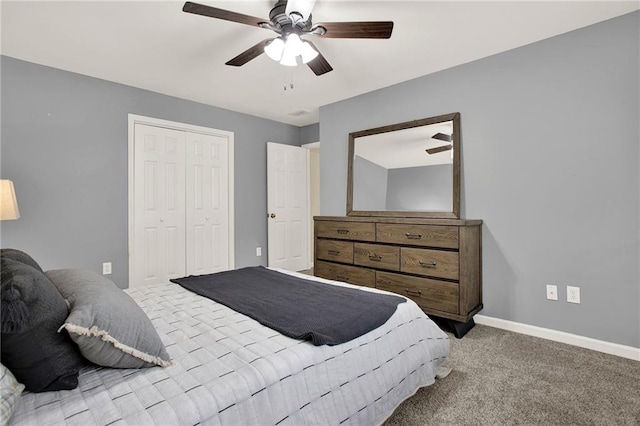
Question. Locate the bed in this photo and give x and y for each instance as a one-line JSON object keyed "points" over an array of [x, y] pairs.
{"points": [[228, 369]]}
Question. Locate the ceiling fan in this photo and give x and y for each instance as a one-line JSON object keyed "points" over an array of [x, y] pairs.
{"points": [[441, 137], [291, 20]]}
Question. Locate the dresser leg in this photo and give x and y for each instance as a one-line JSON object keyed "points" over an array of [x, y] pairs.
{"points": [[459, 329]]}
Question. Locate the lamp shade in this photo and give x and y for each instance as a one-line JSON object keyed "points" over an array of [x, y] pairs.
{"points": [[8, 202], [286, 50], [274, 49], [291, 51], [307, 52]]}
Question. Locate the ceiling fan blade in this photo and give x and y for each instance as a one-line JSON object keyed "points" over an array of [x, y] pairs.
{"points": [[442, 137], [249, 54], [319, 64], [439, 149], [366, 29], [214, 12]]}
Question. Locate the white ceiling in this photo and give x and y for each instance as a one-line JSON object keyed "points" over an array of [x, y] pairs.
{"points": [[155, 46]]}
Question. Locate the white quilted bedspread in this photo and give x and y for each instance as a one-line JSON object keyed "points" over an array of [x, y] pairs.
{"points": [[230, 370]]}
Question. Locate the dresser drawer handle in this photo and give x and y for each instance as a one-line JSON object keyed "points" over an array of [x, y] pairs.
{"points": [[342, 231], [334, 252], [375, 257], [413, 236], [342, 277], [413, 292], [427, 264]]}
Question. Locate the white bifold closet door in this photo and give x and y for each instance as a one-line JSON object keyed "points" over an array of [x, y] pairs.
{"points": [[181, 210], [207, 215]]}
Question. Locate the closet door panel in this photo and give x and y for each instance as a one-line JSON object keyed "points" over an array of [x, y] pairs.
{"points": [[159, 204], [207, 200]]}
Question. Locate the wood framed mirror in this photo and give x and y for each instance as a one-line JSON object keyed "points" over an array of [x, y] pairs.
{"points": [[409, 169]]}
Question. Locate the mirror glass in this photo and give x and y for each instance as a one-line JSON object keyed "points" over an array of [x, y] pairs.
{"points": [[406, 169]]}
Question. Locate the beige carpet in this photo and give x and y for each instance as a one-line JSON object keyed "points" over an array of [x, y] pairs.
{"points": [[505, 378]]}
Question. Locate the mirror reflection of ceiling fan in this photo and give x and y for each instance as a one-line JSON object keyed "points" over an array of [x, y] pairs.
{"points": [[441, 137], [291, 20]]}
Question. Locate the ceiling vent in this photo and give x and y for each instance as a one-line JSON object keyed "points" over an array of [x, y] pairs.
{"points": [[299, 112]]}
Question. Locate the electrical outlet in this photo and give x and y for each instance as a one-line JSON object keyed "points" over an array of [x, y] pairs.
{"points": [[258, 251], [573, 294], [106, 268], [552, 292]]}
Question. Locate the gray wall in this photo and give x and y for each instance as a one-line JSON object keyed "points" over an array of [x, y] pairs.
{"points": [[369, 185], [420, 188], [550, 163], [310, 133], [64, 144]]}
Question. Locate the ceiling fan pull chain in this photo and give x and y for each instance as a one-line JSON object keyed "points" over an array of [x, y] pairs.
{"points": [[288, 80]]}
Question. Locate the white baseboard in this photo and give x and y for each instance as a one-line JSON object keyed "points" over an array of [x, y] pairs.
{"points": [[562, 337]]}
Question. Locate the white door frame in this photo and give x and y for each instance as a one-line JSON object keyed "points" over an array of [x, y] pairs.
{"points": [[140, 119], [309, 147]]}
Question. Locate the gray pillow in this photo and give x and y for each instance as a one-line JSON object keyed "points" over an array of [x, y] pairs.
{"points": [[108, 326]]}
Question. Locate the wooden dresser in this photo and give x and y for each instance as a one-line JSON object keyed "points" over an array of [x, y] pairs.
{"points": [[435, 262]]}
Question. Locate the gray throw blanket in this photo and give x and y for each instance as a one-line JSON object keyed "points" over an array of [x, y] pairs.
{"points": [[302, 309]]}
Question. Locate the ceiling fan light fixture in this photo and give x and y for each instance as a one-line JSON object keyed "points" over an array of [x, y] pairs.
{"points": [[287, 52], [292, 49], [289, 58], [275, 49], [308, 53], [294, 43], [289, 61]]}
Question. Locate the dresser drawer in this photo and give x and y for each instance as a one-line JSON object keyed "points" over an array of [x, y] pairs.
{"points": [[432, 263], [336, 251], [427, 293], [361, 231], [377, 256], [346, 273], [418, 235]]}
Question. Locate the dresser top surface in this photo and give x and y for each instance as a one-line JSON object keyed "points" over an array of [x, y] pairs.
{"points": [[405, 220]]}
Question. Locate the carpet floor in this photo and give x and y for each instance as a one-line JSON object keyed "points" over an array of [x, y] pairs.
{"points": [[504, 378]]}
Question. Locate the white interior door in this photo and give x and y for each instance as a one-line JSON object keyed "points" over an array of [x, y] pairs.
{"points": [[159, 223], [207, 197], [287, 206]]}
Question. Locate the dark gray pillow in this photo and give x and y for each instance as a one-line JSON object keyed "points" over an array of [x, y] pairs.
{"points": [[20, 256], [107, 325], [32, 312]]}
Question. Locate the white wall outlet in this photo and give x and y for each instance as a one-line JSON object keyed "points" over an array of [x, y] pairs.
{"points": [[106, 268], [573, 294], [552, 292], [258, 251]]}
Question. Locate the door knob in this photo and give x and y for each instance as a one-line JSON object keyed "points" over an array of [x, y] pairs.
{"points": [[272, 215]]}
